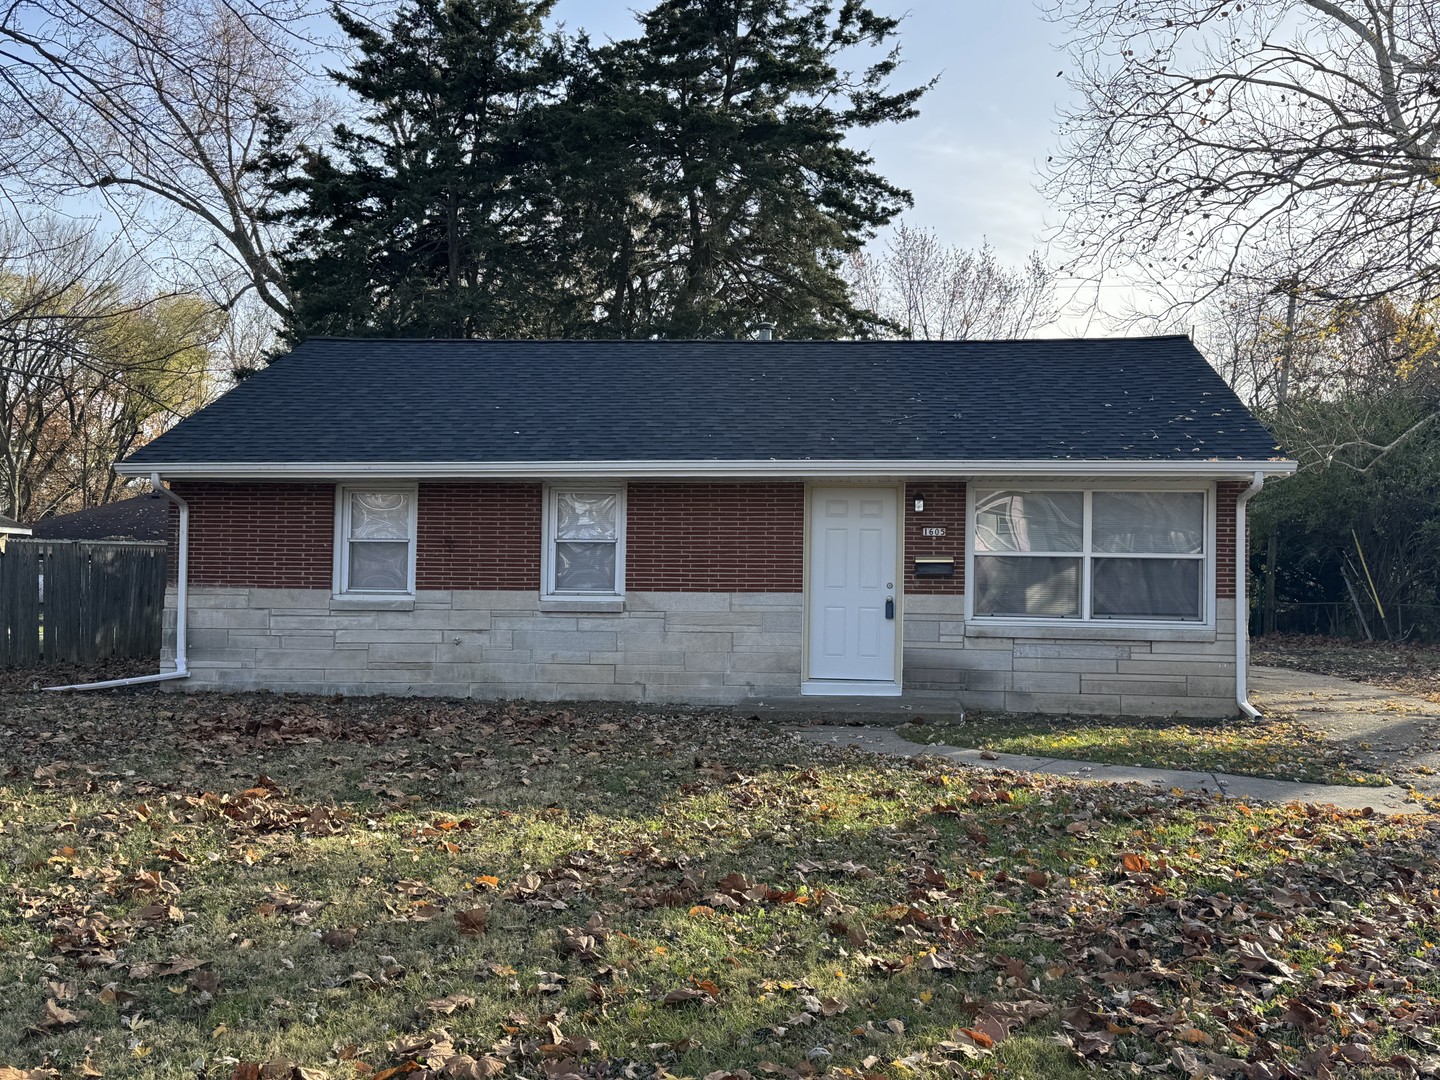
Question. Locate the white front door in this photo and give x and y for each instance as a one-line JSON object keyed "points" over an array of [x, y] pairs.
{"points": [[853, 598]]}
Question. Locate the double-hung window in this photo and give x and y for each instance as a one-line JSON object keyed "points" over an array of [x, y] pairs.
{"points": [[376, 533], [1121, 554], [584, 541]]}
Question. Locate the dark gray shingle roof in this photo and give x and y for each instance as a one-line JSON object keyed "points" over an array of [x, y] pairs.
{"points": [[142, 517], [353, 400]]}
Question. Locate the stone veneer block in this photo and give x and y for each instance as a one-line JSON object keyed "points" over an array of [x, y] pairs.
{"points": [[703, 648]]}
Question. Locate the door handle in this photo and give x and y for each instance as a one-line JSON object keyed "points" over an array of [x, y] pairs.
{"points": [[889, 607]]}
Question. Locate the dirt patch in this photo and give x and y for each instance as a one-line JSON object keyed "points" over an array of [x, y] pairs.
{"points": [[1408, 667]]}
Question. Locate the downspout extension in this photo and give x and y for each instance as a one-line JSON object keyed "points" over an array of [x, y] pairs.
{"points": [[182, 598], [1242, 606]]}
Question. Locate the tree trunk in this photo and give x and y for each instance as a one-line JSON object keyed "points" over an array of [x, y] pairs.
{"points": [[1267, 621]]}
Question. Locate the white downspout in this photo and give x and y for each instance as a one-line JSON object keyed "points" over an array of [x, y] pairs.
{"points": [[182, 599], [1242, 606]]}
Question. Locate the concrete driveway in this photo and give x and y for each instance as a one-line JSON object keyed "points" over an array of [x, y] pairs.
{"points": [[1400, 732]]}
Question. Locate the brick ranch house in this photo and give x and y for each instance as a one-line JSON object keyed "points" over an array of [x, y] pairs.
{"points": [[1023, 525]]}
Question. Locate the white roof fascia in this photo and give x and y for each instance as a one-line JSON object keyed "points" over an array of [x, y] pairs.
{"points": [[513, 470]]}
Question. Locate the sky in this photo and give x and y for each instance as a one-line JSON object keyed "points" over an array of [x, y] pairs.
{"points": [[971, 158]]}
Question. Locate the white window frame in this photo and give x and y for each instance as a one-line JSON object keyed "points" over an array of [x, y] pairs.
{"points": [[547, 552], [343, 541], [1086, 555]]}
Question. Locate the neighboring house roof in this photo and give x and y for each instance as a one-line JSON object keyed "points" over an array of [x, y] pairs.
{"points": [[11, 527], [144, 517], [406, 401]]}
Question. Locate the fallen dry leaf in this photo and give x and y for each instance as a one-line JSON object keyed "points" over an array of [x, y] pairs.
{"points": [[339, 938], [472, 921], [449, 1004]]}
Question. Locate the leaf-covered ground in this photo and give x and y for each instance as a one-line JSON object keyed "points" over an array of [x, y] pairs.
{"points": [[265, 886], [1408, 667], [1281, 748]]}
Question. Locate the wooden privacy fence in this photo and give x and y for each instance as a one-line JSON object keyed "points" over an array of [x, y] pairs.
{"points": [[72, 601]]}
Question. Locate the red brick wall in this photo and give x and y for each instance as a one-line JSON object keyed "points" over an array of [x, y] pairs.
{"points": [[478, 536], [682, 537], [945, 509], [1226, 493], [274, 536], [715, 537]]}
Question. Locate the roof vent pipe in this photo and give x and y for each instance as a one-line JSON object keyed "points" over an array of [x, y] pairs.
{"points": [[765, 332]]}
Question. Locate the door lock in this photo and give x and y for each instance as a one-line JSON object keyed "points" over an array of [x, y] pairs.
{"points": [[889, 607]]}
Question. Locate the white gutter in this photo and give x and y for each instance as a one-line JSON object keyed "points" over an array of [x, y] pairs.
{"points": [[1242, 606], [182, 597], [514, 470]]}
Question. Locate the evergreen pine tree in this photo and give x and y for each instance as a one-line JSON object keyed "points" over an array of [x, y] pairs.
{"points": [[719, 188], [434, 217], [689, 182]]}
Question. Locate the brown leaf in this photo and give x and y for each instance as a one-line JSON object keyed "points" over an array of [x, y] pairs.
{"points": [[207, 982], [978, 1037], [934, 961], [112, 995], [472, 921], [465, 1067], [176, 965], [56, 1015], [999, 1018], [1133, 863], [447, 1005], [339, 938], [1254, 958]]}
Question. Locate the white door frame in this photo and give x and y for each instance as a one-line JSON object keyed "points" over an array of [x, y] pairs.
{"points": [[853, 687]]}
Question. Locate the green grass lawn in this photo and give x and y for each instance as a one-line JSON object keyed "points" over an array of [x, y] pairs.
{"points": [[266, 886], [1281, 749]]}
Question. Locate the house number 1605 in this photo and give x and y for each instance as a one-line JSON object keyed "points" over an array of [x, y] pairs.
{"points": [[932, 531]]}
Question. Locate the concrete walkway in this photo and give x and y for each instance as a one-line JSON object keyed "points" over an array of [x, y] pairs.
{"points": [[884, 740], [1399, 733]]}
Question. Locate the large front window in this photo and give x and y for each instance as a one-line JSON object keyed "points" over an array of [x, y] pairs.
{"points": [[1090, 555], [585, 541]]}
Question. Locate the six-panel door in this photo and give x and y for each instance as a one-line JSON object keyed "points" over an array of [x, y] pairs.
{"points": [[852, 584]]}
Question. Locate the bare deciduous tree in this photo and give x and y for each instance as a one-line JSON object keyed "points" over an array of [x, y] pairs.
{"points": [[90, 367], [1286, 149], [158, 110], [1297, 138], [927, 289]]}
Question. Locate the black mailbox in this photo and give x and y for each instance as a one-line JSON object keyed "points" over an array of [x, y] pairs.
{"points": [[934, 566]]}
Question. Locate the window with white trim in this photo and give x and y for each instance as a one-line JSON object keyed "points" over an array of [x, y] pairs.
{"points": [[376, 535], [1118, 554], [584, 540]]}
